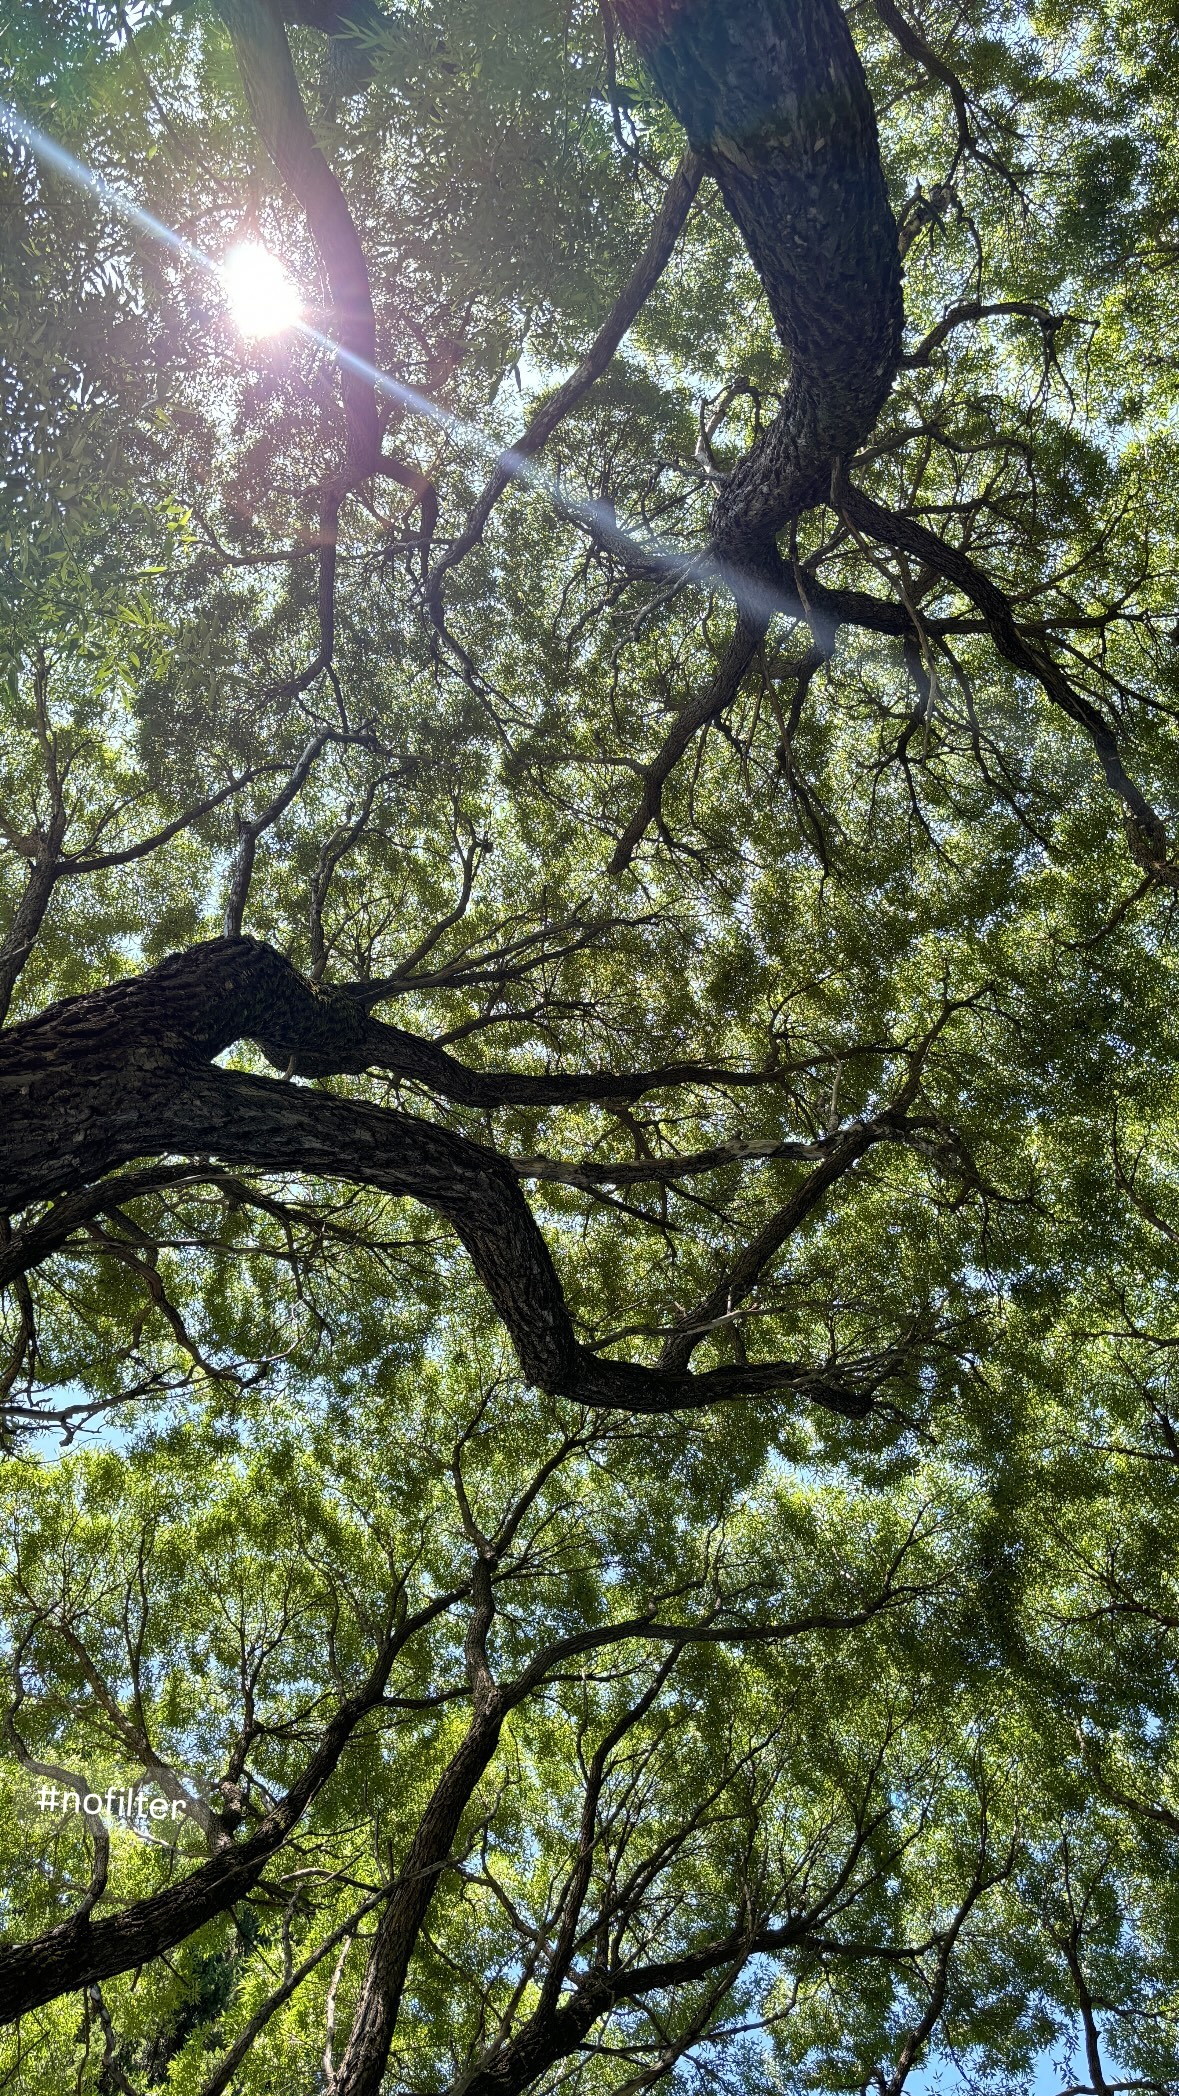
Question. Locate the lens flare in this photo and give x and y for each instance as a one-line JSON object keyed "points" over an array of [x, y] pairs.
{"points": [[281, 297], [261, 296]]}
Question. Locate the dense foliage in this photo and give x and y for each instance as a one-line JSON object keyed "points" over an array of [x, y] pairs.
{"points": [[772, 1681]]}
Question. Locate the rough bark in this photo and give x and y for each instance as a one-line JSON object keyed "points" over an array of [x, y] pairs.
{"points": [[61, 1073], [774, 100], [99, 1081], [773, 97]]}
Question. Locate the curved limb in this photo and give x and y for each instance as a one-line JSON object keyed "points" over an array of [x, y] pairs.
{"points": [[101, 1081]]}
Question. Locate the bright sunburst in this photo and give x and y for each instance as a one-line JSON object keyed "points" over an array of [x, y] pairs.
{"points": [[262, 298]]}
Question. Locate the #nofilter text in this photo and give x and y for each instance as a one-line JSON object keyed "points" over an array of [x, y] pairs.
{"points": [[128, 1804]]}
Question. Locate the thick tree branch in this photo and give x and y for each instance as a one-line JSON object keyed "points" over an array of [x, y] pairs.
{"points": [[250, 828], [199, 1002], [745, 1271], [30, 911], [553, 2033], [911, 41], [773, 97], [555, 2028], [276, 104], [41, 848], [219, 2080], [975, 309], [254, 1122], [99, 1082], [363, 2064]]}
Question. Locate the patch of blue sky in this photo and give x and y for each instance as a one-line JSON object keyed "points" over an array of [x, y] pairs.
{"points": [[1053, 2073], [84, 1422]]}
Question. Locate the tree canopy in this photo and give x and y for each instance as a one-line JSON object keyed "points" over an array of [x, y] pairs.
{"points": [[589, 1160]]}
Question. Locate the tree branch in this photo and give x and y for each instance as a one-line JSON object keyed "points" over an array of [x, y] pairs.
{"points": [[100, 1081], [1145, 832], [661, 243], [80, 1951]]}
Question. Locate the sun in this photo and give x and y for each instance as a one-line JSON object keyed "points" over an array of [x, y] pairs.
{"points": [[262, 298]]}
